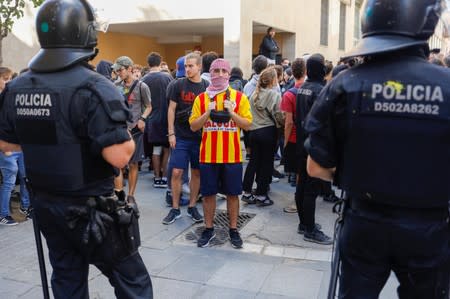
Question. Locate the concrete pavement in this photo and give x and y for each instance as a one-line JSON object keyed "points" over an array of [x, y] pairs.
{"points": [[274, 263]]}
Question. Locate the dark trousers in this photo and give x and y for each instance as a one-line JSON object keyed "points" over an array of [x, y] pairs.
{"points": [[414, 247], [326, 189], [246, 138], [70, 259], [290, 158], [262, 142], [306, 192]]}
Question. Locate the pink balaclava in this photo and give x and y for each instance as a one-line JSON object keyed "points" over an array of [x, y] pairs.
{"points": [[218, 83]]}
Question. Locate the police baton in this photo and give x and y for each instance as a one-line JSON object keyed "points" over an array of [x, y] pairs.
{"points": [[338, 208], [39, 248]]}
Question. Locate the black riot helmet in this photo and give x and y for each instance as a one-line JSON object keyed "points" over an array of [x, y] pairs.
{"points": [[67, 34], [389, 25]]}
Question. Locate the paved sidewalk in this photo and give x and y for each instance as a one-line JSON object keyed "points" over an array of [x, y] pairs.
{"points": [[274, 263]]}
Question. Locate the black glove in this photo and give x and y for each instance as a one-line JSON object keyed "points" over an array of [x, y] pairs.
{"points": [[75, 214], [98, 223]]}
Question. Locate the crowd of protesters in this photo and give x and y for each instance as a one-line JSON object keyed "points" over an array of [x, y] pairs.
{"points": [[189, 122]]}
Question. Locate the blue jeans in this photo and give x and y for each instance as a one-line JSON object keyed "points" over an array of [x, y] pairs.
{"points": [[10, 166]]}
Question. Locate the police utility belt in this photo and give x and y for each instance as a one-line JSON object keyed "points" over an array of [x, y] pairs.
{"points": [[99, 216], [368, 206]]}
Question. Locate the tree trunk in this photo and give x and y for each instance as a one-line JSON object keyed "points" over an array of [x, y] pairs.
{"points": [[1, 52]]}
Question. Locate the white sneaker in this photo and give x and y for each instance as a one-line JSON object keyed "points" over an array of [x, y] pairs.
{"points": [[275, 180]]}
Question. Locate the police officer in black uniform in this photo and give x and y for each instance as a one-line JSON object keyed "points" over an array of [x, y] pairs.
{"points": [[381, 130], [70, 123], [307, 191]]}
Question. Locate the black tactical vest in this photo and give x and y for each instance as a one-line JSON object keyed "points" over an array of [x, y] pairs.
{"points": [[49, 116], [306, 95], [397, 122]]}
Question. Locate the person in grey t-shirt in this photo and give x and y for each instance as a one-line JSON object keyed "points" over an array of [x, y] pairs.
{"points": [[137, 95]]}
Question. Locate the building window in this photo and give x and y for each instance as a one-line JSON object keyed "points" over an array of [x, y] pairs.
{"points": [[342, 21], [324, 17], [357, 22]]}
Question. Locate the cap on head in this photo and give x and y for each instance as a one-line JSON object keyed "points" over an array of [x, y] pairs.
{"points": [[122, 61], [389, 25], [220, 63], [181, 72], [66, 33]]}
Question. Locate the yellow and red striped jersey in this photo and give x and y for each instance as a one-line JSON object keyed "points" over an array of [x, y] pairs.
{"points": [[221, 141]]}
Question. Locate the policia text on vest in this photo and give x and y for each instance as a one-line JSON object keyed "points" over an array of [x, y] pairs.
{"points": [[393, 96], [36, 104]]}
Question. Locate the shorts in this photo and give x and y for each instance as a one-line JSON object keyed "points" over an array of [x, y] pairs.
{"points": [[158, 149], [163, 144], [185, 151], [221, 178], [138, 154]]}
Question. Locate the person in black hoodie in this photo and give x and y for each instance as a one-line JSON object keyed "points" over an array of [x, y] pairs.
{"points": [[269, 46], [308, 188]]}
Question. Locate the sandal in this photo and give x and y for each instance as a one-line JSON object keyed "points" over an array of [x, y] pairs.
{"points": [[290, 209], [266, 202], [249, 199]]}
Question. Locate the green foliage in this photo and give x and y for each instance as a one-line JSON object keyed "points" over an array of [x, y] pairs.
{"points": [[11, 10]]}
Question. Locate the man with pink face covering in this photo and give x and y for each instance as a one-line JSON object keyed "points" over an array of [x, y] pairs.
{"points": [[221, 112]]}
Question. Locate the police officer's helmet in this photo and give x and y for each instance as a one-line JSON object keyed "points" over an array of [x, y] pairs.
{"points": [[67, 34], [389, 25]]}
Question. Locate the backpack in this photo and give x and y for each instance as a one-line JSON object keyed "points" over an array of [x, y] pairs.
{"points": [[237, 85]]}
